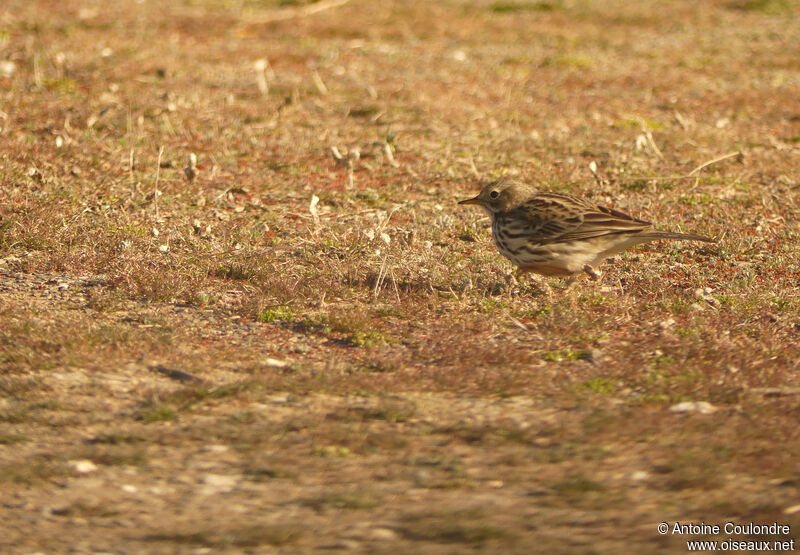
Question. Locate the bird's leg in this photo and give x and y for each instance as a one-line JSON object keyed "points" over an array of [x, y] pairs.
{"points": [[581, 274], [571, 293], [540, 283], [512, 278], [571, 281], [513, 282], [594, 274]]}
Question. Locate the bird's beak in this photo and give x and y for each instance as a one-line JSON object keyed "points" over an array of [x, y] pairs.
{"points": [[476, 200]]}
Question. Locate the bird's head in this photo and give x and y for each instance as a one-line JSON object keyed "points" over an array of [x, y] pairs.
{"points": [[499, 196]]}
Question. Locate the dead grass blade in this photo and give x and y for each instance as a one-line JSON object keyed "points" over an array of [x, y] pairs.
{"points": [[296, 12]]}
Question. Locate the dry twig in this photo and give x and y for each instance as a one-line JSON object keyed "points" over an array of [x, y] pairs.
{"points": [[690, 175], [738, 154], [158, 174], [295, 12]]}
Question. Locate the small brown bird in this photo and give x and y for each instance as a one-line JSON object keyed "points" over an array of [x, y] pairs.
{"points": [[555, 234]]}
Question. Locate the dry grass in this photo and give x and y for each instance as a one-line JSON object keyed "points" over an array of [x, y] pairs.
{"points": [[358, 368]]}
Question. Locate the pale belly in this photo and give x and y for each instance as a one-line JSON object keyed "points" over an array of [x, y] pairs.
{"points": [[559, 258]]}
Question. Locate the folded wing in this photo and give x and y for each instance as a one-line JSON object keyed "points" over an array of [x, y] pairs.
{"points": [[557, 217]]}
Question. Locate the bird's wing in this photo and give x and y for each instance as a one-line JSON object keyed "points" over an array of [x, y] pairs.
{"points": [[556, 217]]}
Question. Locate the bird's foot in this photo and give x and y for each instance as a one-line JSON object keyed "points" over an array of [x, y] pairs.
{"points": [[512, 284], [518, 273], [571, 281], [543, 287], [592, 273], [511, 279], [539, 282]]}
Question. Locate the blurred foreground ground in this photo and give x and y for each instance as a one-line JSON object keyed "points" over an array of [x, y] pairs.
{"points": [[224, 365]]}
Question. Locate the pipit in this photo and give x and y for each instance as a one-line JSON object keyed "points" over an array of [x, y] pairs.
{"points": [[555, 234]]}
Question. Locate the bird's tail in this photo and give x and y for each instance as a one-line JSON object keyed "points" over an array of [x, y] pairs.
{"points": [[653, 235]]}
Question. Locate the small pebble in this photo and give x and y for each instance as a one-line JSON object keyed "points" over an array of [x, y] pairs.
{"points": [[7, 68], [666, 324], [218, 483], [274, 363], [84, 466], [693, 406], [382, 534]]}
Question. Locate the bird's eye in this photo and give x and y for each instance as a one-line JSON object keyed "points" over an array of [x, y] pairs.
{"points": [[494, 194]]}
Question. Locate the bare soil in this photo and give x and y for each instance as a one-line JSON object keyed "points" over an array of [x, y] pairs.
{"points": [[288, 352]]}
